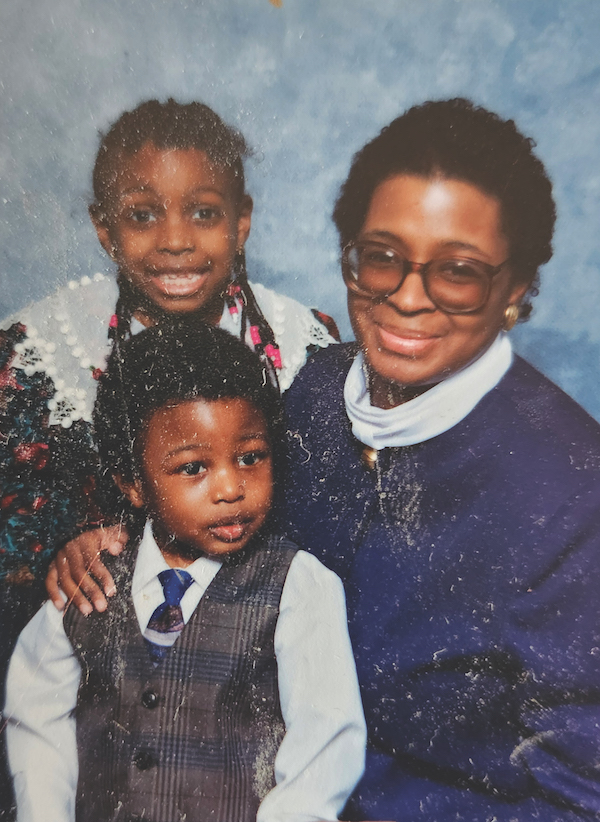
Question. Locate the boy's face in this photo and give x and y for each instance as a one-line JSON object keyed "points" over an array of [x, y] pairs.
{"points": [[207, 477], [173, 225]]}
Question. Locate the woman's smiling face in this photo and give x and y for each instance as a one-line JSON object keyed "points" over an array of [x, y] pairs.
{"points": [[173, 224], [407, 341]]}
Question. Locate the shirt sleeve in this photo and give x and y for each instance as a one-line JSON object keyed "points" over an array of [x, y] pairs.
{"points": [[41, 695], [321, 757]]}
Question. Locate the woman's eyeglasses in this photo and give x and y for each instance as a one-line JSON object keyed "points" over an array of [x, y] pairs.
{"points": [[456, 285]]}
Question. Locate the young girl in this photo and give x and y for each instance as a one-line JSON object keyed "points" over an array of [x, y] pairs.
{"points": [[171, 210], [253, 705]]}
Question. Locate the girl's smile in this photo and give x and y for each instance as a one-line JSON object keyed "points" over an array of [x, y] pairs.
{"points": [[179, 283], [173, 225], [206, 477]]}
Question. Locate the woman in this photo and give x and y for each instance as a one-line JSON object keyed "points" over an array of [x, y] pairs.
{"points": [[452, 487]]}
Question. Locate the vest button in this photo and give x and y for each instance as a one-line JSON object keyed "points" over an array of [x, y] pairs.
{"points": [[143, 760], [150, 699]]}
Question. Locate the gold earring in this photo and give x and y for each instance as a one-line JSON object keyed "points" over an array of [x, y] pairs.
{"points": [[511, 315]]}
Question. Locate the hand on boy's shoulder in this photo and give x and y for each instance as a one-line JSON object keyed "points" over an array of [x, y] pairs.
{"points": [[79, 572]]}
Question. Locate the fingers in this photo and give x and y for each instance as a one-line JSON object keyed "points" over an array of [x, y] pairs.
{"points": [[115, 539], [102, 576], [81, 573], [77, 585], [52, 588]]}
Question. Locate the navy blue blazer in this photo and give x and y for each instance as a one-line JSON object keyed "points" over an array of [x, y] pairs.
{"points": [[472, 571]]}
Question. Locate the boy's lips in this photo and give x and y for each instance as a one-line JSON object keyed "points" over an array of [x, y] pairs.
{"points": [[230, 530]]}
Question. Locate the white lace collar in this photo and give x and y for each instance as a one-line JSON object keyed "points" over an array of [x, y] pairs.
{"points": [[67, 339], [437, 410]]}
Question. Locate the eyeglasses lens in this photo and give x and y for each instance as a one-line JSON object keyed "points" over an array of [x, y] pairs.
{"points": [[455, 285]]}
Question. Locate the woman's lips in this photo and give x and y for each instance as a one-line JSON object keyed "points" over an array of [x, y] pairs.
{"points": [[178, 282], [407, 342]]}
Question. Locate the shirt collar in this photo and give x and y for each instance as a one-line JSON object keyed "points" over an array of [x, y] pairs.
{"points": [[150, 562]]}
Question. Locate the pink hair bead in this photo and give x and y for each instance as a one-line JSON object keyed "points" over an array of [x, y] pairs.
{"points": [[274, 354], [255, 335]]}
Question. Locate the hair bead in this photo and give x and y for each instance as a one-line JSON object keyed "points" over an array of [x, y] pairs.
{"points": [[255, 335], [274, 354]]}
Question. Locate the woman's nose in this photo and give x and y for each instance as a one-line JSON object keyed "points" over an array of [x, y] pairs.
{"points": [[411, 296], [177, 235]]}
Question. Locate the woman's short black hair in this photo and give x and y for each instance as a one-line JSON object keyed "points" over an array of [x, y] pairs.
{"points": [[171, 362], [169, 125], [458, 140]]}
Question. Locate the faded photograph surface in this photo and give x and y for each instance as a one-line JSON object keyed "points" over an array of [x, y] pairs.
{"points": [[299, 410]]}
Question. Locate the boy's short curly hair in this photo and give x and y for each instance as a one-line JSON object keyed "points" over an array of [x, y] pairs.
{"points": [[178, 361], [458, 140]]}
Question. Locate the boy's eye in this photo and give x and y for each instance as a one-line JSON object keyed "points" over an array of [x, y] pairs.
{"points": [[253, 457], [191, 469], [142, 215]]}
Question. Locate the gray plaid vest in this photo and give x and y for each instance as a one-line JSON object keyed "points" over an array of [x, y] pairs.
{"points": [[194, 738]]}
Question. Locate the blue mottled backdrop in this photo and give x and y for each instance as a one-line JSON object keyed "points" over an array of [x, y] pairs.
{"points": [[308, 83]]}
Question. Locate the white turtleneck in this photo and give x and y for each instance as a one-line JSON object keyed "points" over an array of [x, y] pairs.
{"points": [[432, 413]]}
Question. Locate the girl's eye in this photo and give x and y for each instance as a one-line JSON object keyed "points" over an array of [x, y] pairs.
{"points": [[142, 215], [191, 469], [252, 458]]}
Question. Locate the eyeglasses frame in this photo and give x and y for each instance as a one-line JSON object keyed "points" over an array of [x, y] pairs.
{"points": [[421, 268]]}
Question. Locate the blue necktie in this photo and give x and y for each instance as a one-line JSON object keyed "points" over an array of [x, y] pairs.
{"points": [[166, 623]]}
